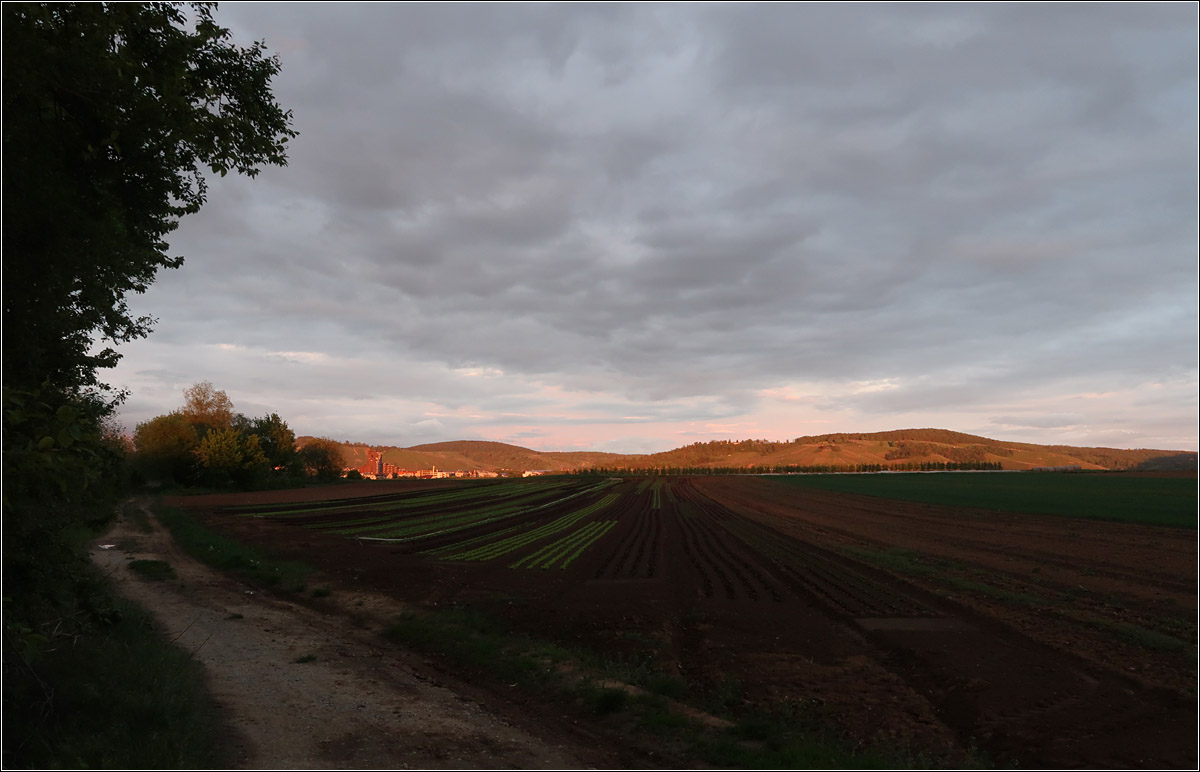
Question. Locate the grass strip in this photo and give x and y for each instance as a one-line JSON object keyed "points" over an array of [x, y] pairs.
{"points": [[120, 697], [582, 681], [226, 554]]}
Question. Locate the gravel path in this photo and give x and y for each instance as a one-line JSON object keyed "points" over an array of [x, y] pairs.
{"points": [[304, 689]]}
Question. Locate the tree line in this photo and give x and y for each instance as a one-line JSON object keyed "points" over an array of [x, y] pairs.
{"points": [[205, 442], [114, 113]]}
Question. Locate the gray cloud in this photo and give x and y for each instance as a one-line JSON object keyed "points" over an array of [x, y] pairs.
{"points": [[673, 206], [1037, 421]]}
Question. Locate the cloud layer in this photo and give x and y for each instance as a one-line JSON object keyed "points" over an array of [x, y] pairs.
{"points": [[632, 226]]}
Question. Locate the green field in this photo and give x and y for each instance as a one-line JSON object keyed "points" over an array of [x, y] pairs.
{"points": [[1169, 501], [534, 511]]}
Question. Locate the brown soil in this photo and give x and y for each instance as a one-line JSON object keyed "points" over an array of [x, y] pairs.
{"points": [[1025, 640], [317, 688], [1042, 673]]}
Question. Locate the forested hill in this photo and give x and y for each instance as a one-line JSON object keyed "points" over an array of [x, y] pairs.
{"points": [[903, 448], [906, 447]]}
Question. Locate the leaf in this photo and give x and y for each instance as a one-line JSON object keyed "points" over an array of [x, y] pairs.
{"points": [[87, 81]]}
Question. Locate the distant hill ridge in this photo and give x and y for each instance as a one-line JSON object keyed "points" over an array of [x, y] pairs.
{"points": [[887, 449]]}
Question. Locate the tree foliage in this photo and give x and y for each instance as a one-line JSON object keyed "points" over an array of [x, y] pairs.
{"points": [[229, 457], [321, 458], [58, 455], [165, 447], [112, 113], [207, 442], [205, 405], [277, 441]]}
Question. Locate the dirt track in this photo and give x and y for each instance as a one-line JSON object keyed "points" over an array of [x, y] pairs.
{"points": [[1010, 648], [354, 704]]}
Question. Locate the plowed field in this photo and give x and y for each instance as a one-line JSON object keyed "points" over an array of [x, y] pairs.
{"points": [[1034, 640]]}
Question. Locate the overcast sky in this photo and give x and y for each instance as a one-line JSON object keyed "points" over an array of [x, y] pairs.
{"points": [[633, 227]]}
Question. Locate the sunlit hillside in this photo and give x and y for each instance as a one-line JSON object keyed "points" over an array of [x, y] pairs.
{"points": [[893, 449]]}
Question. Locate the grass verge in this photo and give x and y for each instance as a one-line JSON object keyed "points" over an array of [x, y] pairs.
{"points": [[226, 554], [624, 696], [119, 697]]}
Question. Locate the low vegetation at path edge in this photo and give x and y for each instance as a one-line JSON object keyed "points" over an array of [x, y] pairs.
{"points": [[120, 697], [620, 694], [230, 555]]}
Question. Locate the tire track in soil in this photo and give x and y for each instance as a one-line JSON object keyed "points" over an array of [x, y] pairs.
{"points": [[625, 561], [873, 663], [706, 568], [997, 537], [738, 568], [644, 558], [1018, 699]]}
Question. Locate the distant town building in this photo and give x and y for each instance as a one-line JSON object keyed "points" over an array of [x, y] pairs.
{"points": [[377, 469]]}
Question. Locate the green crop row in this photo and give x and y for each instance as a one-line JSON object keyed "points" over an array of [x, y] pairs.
{"points": [[512, 543], [769, 543], [416, 524], [450, 549], [419, 499], [512, 509], [374, 503], [565, 550], [434, 525]]}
